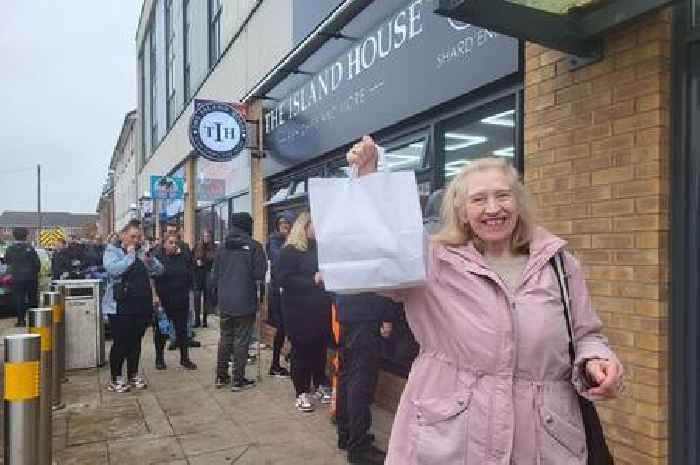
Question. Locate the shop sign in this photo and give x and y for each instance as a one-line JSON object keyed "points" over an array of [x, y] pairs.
{"points": [[167, 188], [408, 62], [217, 130], [210, 189]]}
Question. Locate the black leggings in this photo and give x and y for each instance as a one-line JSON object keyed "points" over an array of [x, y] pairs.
{"points": [[277, 345], [127, 332], [309, 364]]}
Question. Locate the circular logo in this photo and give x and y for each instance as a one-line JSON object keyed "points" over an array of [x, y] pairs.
{"points": [[217, 131]]}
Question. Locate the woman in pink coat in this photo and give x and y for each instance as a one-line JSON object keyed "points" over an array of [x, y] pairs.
{"points": [[493, 383]]}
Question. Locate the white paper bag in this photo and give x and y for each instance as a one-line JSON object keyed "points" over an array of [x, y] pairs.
{"points": [[369, 232]]}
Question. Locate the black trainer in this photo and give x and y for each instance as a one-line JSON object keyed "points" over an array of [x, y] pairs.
{"points": [[279, 372], [368, 455], [242, 385], [193, 343], [160, 364], [188, 364]]}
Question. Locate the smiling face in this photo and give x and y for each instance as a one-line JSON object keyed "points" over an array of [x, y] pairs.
{"points": [[491, 209]]}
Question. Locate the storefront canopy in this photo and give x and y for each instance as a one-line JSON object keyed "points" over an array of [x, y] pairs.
{"points": [[572, 26]]}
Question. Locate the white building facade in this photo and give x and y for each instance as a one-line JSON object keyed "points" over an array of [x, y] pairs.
{"points": [[201, 49], [124, 169]]}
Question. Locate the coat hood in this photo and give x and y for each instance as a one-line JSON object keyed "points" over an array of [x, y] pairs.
{"points": [[543, 246]]}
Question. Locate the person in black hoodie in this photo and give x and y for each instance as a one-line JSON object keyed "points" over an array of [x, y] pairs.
{"points": [[238, 269], [307, 312], [173, 290], [273, 248], [23, 265], [364, 320]]}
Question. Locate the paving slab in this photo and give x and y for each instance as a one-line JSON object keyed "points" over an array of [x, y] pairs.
{"points": [[144, 450]]}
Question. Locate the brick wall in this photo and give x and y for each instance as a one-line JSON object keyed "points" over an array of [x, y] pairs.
{"points": [[596, 156]]}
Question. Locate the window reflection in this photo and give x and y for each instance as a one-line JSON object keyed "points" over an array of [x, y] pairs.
{"points": [[476, 134], [408, 156]]}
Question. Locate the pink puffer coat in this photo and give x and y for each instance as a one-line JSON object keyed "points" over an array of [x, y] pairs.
{"points": [[493, 382]]}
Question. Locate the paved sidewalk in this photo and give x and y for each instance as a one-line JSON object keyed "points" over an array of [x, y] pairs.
{"points": [[182, 419]]}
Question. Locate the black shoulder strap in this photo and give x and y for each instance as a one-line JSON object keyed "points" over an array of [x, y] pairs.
{"points": [[557, 262]]}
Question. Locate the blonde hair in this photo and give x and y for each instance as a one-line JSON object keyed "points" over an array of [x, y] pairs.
{"points": [[297, 237], [456, 232]]}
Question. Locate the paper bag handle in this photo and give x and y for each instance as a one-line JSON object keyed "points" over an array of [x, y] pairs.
{"points": [[381, 162]]}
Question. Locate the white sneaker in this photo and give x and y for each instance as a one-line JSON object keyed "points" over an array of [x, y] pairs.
{"points": [[137, 382], [304, 403], [324, 394], [119, 387]]}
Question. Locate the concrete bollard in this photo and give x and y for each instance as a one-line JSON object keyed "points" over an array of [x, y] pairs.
{"points": [[53, 300], [40, 321], [21, 398]]}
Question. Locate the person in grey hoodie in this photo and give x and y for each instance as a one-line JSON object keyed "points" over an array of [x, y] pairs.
{"points": [[238, 269]]}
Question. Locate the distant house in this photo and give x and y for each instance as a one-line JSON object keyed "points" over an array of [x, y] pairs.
{"points": [[79, 224]]}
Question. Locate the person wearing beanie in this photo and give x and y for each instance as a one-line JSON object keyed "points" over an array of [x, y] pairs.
{"points": [[273, 248], [239, 266]]}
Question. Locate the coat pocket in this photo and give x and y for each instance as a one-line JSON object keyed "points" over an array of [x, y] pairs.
{"points": [[563, 442], [440, 429]]}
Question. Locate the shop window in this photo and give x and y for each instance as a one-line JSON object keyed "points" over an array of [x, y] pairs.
{"points": [[486, 132], [241, 204], [221, 214], [186, 54], [170, 36], [406, 154], [215, 7]]}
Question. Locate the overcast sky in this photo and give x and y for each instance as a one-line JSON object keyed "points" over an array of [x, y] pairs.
{"points": [[67, 78]]}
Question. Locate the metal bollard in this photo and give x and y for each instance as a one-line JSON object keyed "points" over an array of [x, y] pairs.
{"points": [[40, 321], [53, 300], [21, 399], [61, 336]]}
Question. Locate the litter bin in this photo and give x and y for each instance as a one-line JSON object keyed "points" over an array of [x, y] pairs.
{"points": [[85, 340]]}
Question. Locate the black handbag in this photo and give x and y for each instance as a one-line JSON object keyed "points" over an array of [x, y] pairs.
{"points": [[598, 452], [120, 287]]}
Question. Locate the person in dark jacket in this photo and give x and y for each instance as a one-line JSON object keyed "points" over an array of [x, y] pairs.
{"points": [[306, 307], [204, 253], [173, 227], [23, 265], [364, 320], [173, 290], [273, 248], [59, 263], [75, 260], [239, 267], [130, 269]]}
